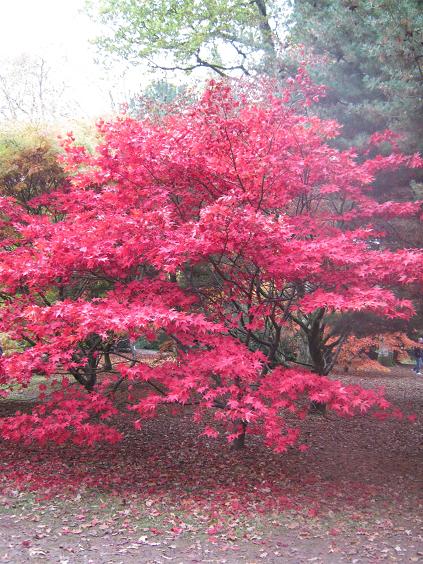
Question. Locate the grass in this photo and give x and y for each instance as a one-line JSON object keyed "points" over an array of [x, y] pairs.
{"points": [[26, 392]]}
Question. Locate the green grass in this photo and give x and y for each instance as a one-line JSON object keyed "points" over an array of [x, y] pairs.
{"points": [[30, 391]]}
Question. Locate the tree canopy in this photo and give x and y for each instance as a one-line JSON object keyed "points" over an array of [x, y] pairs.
{"points": [[370, 57], [225, 36], [223, 226]]}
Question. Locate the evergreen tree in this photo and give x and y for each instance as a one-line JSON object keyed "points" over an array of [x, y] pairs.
{"points": [[370, 56]]}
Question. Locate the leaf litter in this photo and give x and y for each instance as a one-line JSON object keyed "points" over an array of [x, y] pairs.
{"points": [[165, 494]]}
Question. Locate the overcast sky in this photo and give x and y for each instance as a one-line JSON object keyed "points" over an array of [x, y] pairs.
{"points": [[59, 31]]}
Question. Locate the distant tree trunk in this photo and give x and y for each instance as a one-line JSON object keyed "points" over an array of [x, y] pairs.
{"points": [[317, 407], [239, 442], [107, 362], [90, 374]]}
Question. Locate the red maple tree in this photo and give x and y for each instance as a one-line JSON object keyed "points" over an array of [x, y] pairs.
{"points": [[219, 227]]}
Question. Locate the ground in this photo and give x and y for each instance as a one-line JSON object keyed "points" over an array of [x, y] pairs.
{"points": [[166, 495]]}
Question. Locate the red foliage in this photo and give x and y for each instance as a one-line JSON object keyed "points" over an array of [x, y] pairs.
{"points": [[217, 226]]}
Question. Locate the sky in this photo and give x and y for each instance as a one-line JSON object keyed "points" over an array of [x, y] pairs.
{"points": [[60, 31]]}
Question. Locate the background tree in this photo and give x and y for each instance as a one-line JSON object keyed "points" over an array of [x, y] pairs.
{"points": [[370, 57], [159, 97], [362, 353], [29, 166], [368, 54], [30, 93], [223, 36]]}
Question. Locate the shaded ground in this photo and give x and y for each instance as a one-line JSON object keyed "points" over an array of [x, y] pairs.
{"points": [[165, 495]]}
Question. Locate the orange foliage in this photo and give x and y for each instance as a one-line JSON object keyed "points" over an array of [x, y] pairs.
{"points": [[355, 352]]}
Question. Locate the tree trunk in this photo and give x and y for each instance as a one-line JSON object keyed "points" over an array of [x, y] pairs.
{"points": [[239, 442], [267, 34], [317, 407], [107, 362], [316, 346]]}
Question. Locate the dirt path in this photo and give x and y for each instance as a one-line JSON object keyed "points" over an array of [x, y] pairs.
{"points": [[164, 495]]}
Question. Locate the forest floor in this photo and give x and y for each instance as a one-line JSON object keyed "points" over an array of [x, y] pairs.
{"points": [[166, 495]]}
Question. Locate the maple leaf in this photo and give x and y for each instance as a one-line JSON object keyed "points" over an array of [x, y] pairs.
{"points": [[209, 432]]}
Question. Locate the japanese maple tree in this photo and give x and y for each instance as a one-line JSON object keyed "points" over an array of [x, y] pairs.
{"points": [[220, 226]]}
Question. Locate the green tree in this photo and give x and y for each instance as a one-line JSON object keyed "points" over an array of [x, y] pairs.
{"points": [[226, 36], [370, 55], [157, 98]]}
